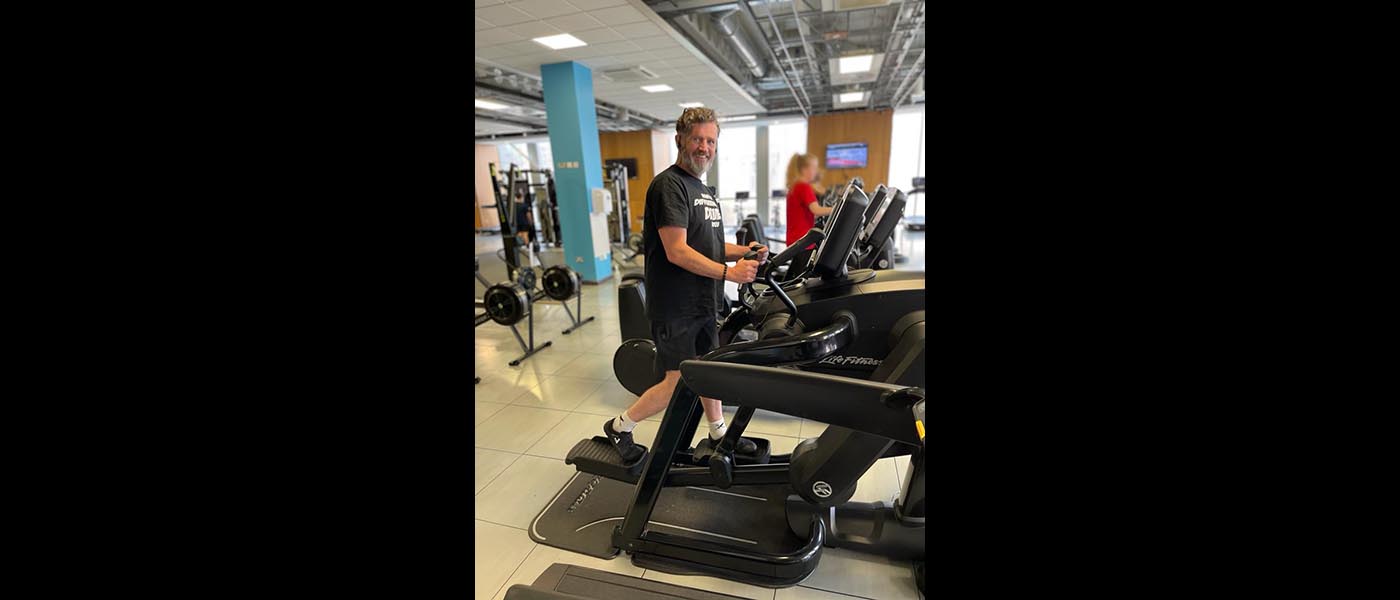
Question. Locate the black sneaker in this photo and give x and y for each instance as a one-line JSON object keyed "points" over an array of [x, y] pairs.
{"points": [[745, 446], [622, 442]]}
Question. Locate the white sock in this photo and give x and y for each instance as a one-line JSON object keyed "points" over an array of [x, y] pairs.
{"points": [[623, 424], [717, 429]]}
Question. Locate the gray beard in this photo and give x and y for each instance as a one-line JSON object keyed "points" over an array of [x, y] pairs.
{"points": [[689, 165]]}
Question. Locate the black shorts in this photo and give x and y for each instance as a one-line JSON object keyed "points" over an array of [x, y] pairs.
{"points": [[683, 339]]}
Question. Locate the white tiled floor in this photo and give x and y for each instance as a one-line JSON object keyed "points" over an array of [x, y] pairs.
{"points": [[528, 416]]}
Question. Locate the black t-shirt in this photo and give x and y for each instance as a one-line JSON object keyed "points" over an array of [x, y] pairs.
{"points": [[677, 199]]}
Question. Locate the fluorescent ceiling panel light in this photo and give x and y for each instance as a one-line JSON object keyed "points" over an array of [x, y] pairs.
{"points": [[852, 96], [487, 104], [856, 64], [739, 118], [560, 42], [692, 104], [660, 87]]}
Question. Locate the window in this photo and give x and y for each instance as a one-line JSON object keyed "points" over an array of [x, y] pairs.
{"points": [[907, 155], [738, 165], [546, 156], [513, 153], [784, 140]]}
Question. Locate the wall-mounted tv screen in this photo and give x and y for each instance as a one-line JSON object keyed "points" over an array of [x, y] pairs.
{"points": [[845, 156], [630, 163]]}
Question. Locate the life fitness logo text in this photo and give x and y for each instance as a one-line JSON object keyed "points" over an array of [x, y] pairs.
{"points": [[851, 361]]}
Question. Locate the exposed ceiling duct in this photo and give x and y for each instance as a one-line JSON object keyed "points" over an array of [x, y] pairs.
{"points": [[728, 24]]}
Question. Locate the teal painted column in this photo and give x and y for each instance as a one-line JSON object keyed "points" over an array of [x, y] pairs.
{"points": [[578, 167]]}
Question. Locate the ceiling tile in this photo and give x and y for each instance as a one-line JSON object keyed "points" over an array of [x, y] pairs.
{"points": [[524, 48], [575, 22], [493, 52], [534, 29], [495, 37], [601, 62], [596, 4], [619, 47], [637, 30], [590, 52], [659, 41], [503, 15], [635, 56], [544, 8], [620, 15], [596, 36], [672, 52]]}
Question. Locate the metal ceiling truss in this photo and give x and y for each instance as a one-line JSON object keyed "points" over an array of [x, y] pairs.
{"points": [[788, 75]]}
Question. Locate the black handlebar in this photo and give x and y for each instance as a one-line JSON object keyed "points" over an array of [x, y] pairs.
{"points": [[804, 348], [767, 270]]}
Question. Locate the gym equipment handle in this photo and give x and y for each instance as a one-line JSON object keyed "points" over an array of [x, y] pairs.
{"points": [[795, 350], [767, 270], [852, 403]]}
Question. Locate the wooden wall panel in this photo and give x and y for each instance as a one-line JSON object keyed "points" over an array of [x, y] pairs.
{"points": [[631, 144], [875, 128], [486, 217]]}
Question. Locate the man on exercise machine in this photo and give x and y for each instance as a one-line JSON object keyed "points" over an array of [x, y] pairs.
{"points": [[686, 256]]}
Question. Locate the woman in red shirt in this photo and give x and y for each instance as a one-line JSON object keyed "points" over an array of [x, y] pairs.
{"points": [[802, 206]]}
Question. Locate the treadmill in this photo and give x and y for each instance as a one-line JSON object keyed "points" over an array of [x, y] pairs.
{"points": [[571, 582]]}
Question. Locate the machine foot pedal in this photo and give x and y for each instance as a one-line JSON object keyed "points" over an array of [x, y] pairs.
{"points": [[760, 456], [596, 455]]}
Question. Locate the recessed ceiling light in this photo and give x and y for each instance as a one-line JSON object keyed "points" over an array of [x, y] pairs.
{"points": [[561, 41], [739, 118], [489, 105], [692, 104], [660, 87], [852, 96], [856, 64]]}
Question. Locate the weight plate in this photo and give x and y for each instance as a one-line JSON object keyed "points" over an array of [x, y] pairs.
{"points": [[634, 364], [560, 283], [506, 303]]}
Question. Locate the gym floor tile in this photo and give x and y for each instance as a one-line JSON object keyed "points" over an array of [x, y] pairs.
{"points": [[575, 343], [516, 428], [811, 429], [489, 464], [484, 410], [780, 444], [865, 575], [596, 366], [558, 392], [561, 439], [878, 484], [713, 584], [519, 493], [499, 550], [774, 423], [901, 466], [502, 385], [609, 400], [547, 362], [798, 592], [543, 556]]}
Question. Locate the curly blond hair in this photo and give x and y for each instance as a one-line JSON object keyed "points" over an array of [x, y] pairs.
{"points": [[691, 117]]}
